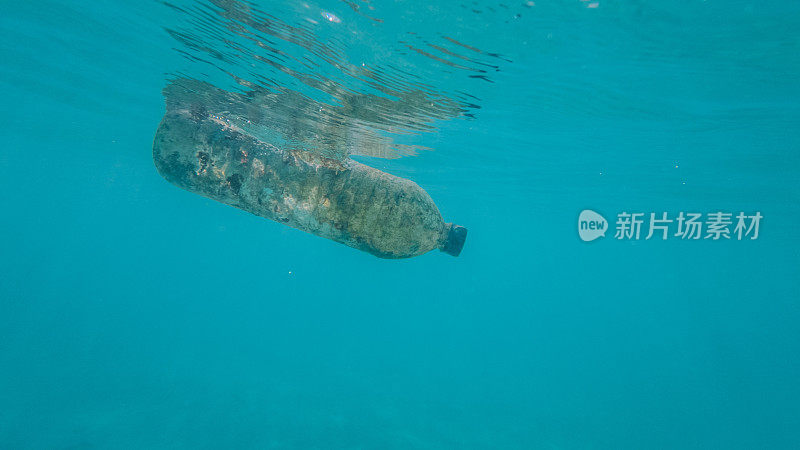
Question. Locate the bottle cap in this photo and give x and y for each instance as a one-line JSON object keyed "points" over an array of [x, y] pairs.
{"points": [[454, 242]]}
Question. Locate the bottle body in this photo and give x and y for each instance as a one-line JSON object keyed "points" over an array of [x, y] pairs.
{"points": [[347, 202]]}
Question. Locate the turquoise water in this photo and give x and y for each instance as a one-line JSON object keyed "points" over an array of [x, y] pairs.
{"points": [[134, 314]]}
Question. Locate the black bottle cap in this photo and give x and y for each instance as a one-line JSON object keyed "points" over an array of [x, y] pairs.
{"points": [[456, 235]]}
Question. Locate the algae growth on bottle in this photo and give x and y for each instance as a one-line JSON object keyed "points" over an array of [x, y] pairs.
{"points": [[342, 200]]}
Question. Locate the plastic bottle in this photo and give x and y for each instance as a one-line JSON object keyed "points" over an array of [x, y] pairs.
{"points": [[345, 201]]}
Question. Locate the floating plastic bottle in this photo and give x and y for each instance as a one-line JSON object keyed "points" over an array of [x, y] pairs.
{"points": [[345, 201]]}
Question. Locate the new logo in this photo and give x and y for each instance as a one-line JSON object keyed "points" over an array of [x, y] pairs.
{"points": [[591, 225]]}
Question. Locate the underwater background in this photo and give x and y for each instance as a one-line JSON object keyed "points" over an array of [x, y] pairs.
{"points": [[134, 314]]}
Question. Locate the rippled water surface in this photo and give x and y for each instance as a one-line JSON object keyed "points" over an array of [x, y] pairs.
{"points": [[134, 314]]}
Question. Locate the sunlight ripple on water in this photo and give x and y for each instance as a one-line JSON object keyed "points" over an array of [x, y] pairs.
{"points": [[338, 86]]}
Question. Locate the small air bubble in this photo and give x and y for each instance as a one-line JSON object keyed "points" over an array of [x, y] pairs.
{"points": [[331, 17]]}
